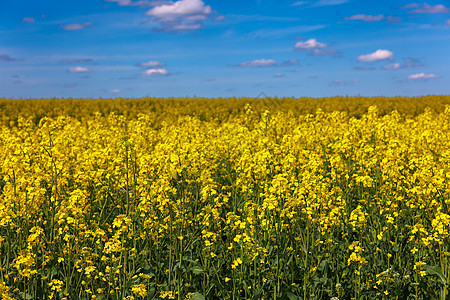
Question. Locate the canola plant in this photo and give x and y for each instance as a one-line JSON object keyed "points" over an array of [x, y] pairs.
{"points": [[337, 198]]}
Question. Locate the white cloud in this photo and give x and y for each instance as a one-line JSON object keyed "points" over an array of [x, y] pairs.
{"points": [[123, 2], [314, 48], [185, 27], [78, 70], [317, 52], [279, 75], [155, 72], [393, 19], [115, 91], [447, 22], [76, 26], [259, 63], [366, 18], [329, 2], [75, 60], [411, 5], [309, 45], [377, 55], [431, 9], [426, 8], [182, 15], [422, 76], [394, 66], [299, 3], [319, 3], [151, 64], [28, 20], [219, 18], [143, 3]]}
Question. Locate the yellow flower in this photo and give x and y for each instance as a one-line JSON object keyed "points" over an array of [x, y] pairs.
{"points": [[167, 294], [418, 265], [56, 285], [139, 289]]}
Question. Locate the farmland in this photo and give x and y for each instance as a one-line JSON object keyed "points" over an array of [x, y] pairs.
{"points": [[331, 198]]}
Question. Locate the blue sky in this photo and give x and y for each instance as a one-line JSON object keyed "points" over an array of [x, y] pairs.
{"points": [[210, 48]]}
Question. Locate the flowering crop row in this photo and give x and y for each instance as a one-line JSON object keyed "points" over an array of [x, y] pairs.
{"points": [[221, 109], [238, 203]]}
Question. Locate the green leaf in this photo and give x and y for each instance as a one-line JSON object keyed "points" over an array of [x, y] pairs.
{"points": [[197, 296], [197, 270], [322, 265], [25, 296], [434, 270], [292, 296], [152, 292]]}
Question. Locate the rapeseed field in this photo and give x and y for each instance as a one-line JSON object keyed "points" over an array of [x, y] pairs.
{"points": [[333, 198]]}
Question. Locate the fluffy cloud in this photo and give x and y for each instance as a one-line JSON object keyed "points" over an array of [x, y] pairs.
{"points": [[28, 20], [115, 91], [76, 26], [259, 63], [422, 76], [78, 70], [155, 72], [182, 15], [429, 9], [314, 48], [394, 66], [309, 45], [151, 64], [377, 55], [366, 18], [155, 68]]}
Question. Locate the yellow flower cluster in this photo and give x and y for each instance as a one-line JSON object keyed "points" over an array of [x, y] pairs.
{"points": [[176, 198]]}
